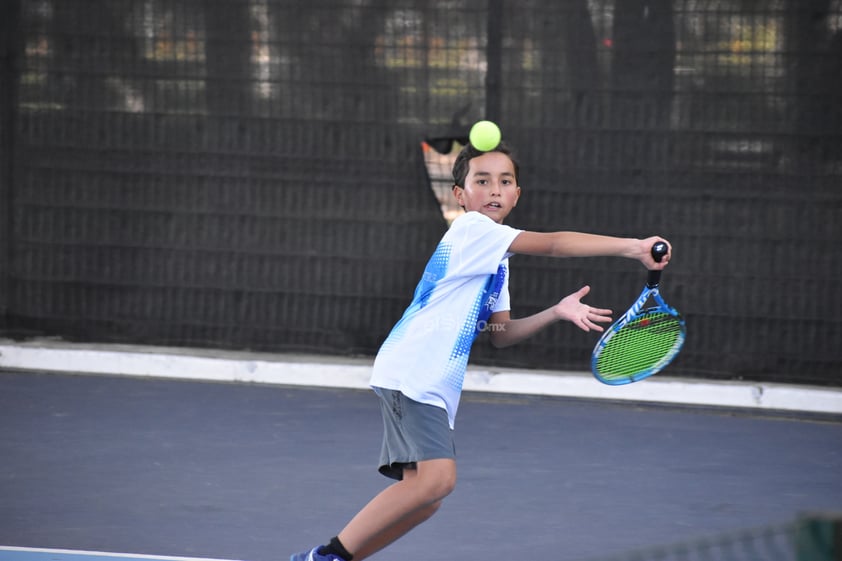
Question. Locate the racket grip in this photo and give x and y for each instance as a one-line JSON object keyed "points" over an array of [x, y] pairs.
{"points": [[658, 251]]}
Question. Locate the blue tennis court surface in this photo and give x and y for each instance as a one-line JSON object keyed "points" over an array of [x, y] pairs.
{"points": [[246, 471], [34, 554]]}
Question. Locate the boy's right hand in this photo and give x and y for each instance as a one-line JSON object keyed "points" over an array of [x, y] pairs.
{"points": [[644, 253]]}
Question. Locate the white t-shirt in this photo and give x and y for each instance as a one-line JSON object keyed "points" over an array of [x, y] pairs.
{"points": [[464, 282]]}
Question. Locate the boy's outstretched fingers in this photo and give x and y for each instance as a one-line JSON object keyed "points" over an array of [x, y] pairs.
{"points": [[597, 315], [582, 315]]}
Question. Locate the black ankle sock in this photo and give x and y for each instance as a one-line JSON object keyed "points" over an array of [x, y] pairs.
{"points": [[335, 547]]}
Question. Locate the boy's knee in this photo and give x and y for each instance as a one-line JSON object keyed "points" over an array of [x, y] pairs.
{"points": [[439, 480], [449, 483], [439, 489], [435, 479], [445, 486]]}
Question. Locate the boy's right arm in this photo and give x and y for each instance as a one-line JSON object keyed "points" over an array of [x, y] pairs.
{"points": [[579, 244]]}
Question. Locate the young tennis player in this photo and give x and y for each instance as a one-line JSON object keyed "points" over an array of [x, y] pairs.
{"points": [[419, 370]]}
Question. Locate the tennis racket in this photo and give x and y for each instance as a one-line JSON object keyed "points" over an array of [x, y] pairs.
{"points": [[642, 342]]}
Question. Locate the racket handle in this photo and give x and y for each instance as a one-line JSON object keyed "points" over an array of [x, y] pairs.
{"points": [[658, 251]]}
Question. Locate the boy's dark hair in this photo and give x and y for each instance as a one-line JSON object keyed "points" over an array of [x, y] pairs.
{"points": [[462, 163]]}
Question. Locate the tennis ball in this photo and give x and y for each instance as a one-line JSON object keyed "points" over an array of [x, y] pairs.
{"points": [[485, 136]]}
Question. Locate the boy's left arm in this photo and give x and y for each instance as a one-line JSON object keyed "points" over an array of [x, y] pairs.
{"points": [[505, 331]]}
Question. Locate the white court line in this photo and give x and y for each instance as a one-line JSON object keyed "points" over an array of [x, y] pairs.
{"points": [[337, 372], [9, 553]]}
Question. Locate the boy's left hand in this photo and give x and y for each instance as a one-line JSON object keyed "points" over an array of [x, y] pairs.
{"points": [[583, 316]]}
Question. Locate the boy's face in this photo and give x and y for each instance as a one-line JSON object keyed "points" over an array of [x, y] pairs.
{"points": [[490, 186]]}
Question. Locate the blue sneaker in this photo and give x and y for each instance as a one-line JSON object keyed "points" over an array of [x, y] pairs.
{"points": [[313, 555]]}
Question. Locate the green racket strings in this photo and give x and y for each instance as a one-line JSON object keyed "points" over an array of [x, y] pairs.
{"points": [[639, 346]]}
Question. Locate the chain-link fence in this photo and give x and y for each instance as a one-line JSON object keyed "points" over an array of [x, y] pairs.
{"points": [[250, 173]]}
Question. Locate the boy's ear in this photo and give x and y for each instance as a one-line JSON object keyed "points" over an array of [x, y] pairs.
{"points": [[457, 192]]}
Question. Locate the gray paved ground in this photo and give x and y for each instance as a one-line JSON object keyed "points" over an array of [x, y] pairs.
{"points": [[256, 472]]}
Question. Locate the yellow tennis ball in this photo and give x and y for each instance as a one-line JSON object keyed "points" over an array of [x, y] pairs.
{"points": [[485, 136]]}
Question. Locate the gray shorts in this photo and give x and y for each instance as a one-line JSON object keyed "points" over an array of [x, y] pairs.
{"points": [[412, 432]]}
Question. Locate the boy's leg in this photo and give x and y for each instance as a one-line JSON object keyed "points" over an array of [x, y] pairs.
{"points": [[397, 531], [399, 508]]}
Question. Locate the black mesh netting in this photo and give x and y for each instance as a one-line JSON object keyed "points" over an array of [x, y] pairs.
{"points": [[248, 174]]}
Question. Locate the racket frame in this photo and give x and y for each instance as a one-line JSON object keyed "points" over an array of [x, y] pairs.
{"points": [[636, 310]]}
